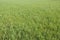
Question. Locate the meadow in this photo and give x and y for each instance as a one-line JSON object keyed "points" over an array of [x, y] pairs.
{"points": [[29, 20]]}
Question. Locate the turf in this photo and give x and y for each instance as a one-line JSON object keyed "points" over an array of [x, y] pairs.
{"points": [[29, 20]]}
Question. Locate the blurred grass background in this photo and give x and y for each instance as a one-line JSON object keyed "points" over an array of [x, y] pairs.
{"points": [[29, 20]]}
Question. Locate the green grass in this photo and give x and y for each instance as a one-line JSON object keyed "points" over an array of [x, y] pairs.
{"points": [[29, 20]]}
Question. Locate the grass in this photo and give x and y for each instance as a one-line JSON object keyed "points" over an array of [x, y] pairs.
{"points": [[29, 20]]}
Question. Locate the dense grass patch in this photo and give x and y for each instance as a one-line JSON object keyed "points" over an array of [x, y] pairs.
{"points": [[36, 21]]}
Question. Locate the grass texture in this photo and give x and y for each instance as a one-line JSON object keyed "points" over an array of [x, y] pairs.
{"points": [[29, 20]]}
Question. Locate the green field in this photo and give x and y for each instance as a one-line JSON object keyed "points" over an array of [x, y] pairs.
{"points": [[29, 19]]}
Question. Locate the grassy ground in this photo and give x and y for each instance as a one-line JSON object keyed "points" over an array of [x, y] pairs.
{"points": [[29, 20]]}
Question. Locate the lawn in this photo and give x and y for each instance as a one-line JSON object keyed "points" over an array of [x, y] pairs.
{"points": [[29, 20]]}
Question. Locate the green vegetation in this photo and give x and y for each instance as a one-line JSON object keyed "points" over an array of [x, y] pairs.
{"points": [[29, 20]]}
